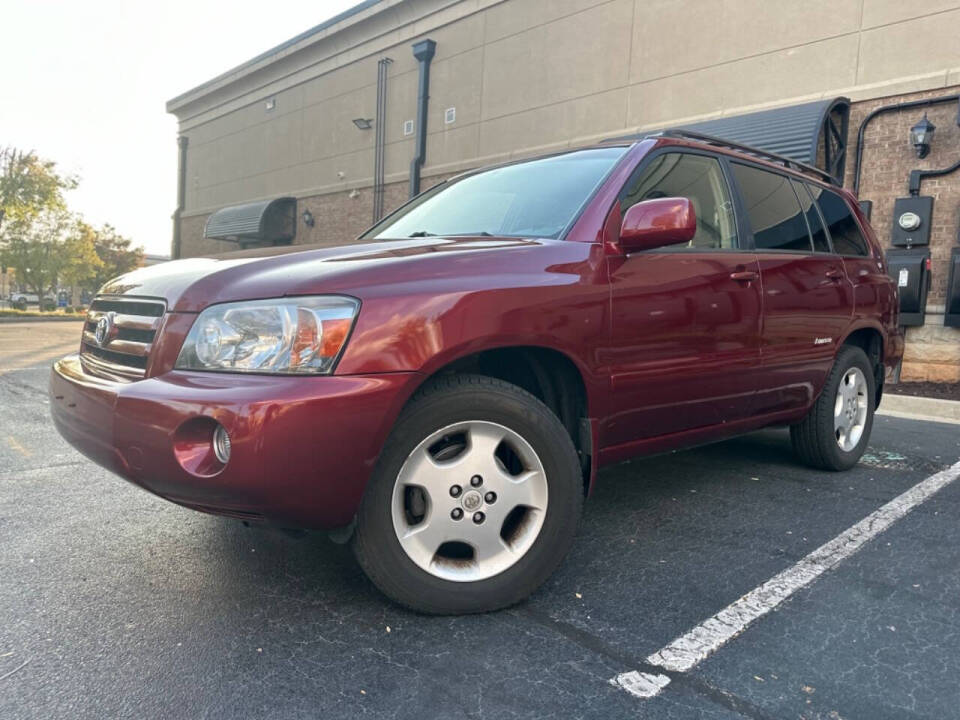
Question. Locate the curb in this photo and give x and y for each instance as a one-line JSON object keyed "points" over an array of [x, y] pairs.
{"points": [[920, 408], [40, 318]]}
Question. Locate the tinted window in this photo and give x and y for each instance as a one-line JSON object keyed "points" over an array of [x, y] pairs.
{"points": [[820, 241], [698, 178], [774, 211], [844, 231], [537, 198]]}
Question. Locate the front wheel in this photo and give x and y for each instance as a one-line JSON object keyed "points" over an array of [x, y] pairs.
{"points": [[835, 433], [474, 501]]}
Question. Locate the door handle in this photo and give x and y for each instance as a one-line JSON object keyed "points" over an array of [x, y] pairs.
{"points": [[834, 274], [744, 276]]}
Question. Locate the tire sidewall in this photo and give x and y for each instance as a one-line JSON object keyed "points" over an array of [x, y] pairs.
{"points": [[389, 564]]}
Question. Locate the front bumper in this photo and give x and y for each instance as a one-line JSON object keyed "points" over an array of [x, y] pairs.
{"points": [[303, 447]]}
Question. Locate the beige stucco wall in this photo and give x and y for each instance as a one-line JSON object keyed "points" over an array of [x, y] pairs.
{"points": [[529, 74]]}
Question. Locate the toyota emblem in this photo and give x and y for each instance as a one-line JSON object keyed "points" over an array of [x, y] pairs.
{"points": [[104, 329]]}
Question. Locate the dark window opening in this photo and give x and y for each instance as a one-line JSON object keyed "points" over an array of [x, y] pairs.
{"points": [[806, 193], [775, 215], [844, 231]]}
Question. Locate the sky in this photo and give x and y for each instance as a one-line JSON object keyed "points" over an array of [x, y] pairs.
{"points": [[86, 83]]}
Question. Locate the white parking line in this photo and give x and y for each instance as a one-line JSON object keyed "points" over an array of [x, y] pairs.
{"points": [[685, 652]]}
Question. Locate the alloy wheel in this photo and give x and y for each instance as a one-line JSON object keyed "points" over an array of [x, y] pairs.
{"points": [[850, 409], [469, 501]]}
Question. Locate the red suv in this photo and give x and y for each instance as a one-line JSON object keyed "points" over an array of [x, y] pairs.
{"points": [[444, 390]]}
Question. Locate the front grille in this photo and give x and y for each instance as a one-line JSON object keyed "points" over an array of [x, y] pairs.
{"points": [[123, 353]]}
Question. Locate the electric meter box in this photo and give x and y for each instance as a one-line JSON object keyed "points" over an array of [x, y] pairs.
{"points": [[951, 315], [908, 268], [911, 221]]}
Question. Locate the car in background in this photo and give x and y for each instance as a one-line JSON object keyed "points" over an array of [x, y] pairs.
{"points": [[22, 301], [445, 390]]}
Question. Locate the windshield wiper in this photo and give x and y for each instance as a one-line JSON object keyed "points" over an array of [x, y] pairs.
{"points": [[427, 233]]}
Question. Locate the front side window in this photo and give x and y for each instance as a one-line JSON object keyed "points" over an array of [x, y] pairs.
{"points": [[698, 178], [775, 215], [538, 198], [844, 231]]}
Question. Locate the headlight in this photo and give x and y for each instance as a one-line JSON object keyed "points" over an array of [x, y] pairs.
{"points": [[287, 335]]}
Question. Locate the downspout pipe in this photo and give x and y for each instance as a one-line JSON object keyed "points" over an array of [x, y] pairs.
{"points": [[423, 51], [175, 248], [885, 109]]}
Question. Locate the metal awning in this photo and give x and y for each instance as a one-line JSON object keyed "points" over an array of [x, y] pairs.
{"points": [[268, 221], [814, 133]]}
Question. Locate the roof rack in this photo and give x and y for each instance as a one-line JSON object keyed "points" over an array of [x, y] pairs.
{"points": [[748, 149]]}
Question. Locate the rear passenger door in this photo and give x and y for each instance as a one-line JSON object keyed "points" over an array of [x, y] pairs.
{"points": [[807, 298], [686, 319]]}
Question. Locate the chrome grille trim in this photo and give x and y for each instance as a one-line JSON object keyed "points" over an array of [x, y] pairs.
{"points": [[124, 354]]}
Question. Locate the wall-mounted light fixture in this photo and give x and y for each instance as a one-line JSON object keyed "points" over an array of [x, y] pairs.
{"points": [[308, 218], [363, 123], [921, 135]]}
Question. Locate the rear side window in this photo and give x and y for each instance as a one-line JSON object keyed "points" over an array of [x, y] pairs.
{"points": [[844, 231], [775, 215], [806, 193]]}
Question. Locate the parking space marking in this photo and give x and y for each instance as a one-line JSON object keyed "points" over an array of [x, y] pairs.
{"points": [[641, 684], [694, 646]]}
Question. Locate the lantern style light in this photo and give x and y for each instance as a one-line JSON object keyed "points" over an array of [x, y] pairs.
{"points": [[921, 135], [308, 218]]}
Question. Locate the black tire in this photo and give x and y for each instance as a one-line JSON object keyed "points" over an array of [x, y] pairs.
{"points": [[20, 303], [814, 439], [443, 402]]}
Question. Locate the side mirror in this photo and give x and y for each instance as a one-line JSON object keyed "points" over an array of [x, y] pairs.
{"points": [[658, 222]]}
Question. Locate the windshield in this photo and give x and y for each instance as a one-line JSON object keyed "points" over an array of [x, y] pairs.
{"points": [[538, 198]]}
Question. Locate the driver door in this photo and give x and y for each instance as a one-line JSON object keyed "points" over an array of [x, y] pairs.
{"points": [[685, 340]]}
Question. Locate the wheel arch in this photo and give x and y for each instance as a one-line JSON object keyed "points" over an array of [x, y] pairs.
{"points": [[871, 340], [551, 375]]}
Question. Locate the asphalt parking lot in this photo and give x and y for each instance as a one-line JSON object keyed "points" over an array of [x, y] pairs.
{"points": [[116, 604]]}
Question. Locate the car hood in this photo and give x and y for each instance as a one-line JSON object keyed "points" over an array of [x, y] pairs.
{"points": [[193, 284]]}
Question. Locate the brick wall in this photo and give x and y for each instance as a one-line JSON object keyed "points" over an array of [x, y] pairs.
{"points": [[933, 351]]}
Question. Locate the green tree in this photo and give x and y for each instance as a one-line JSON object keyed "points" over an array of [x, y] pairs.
{"points": [[29, 185], [116, 254], [35, 248], [81, 263], [33, 218]]}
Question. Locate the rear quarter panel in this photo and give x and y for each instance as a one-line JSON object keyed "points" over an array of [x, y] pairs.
{"points": [[876, 302]]}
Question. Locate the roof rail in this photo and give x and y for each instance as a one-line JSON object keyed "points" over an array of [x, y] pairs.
{"points": [[748, 149]]}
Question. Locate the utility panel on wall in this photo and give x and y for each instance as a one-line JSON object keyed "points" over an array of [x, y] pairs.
{"points": [[449, 115], [911, 221], [408, 127]]}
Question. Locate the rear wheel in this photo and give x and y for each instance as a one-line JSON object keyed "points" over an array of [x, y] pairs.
{"points": [[475, 499], [835, 433]]}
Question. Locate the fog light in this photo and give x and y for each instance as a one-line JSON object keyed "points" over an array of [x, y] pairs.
{"points": [[221, 444]]}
